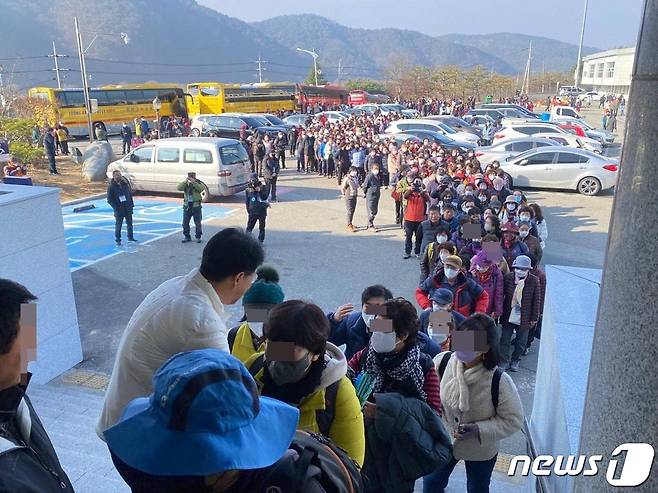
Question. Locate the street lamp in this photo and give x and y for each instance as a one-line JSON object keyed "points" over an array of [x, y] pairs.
{"points": [[83, 68], [315, 62], [157, 105]]}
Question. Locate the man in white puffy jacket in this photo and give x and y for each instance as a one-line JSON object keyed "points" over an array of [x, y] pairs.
{"points": [[182, 314]]}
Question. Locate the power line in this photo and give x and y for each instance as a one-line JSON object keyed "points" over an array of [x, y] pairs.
{"points": [[127, 62]]}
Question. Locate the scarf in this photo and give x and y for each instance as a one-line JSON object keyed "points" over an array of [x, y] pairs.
{"points": [[455, 392], [485, 276], [293, 393], [397, 372]]}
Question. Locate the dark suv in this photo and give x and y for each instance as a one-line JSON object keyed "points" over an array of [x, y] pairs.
{"points": [[228, 125]]}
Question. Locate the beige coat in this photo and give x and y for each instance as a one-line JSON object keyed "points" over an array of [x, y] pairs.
{"points": [[468, 400]]}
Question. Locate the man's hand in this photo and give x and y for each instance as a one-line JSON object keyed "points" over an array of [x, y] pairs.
{"points": [[343, 311]]}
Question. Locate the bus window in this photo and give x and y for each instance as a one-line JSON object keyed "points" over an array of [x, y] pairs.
{"points": [[101, 96], [73, 99], [136, 96], [117, 97]]}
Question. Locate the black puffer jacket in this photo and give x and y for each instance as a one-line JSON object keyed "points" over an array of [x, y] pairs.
{"points": [[405, 441], [28, 462]]}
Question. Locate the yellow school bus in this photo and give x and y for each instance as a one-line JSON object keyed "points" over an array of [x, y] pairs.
{"points": [[215, 97], [116, 104]]}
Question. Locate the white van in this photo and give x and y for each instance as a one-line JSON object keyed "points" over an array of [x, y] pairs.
{"points": [[222, 165], [570, 91], [562, 111]]}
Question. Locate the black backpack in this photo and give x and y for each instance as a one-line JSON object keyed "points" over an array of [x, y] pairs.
{"points": [[495, 379], [324, 417], [312, 464]]}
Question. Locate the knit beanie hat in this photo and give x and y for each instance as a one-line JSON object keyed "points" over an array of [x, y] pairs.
{"points": [[266, 289]]}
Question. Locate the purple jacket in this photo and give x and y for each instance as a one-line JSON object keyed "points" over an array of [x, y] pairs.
{"points": [[495, 288]]}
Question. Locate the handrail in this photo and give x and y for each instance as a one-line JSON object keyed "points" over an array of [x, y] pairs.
{"points": [[540, 481]]}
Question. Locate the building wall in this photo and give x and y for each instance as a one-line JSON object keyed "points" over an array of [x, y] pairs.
{"points": [[608, 71]]}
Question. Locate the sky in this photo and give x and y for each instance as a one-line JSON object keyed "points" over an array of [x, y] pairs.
{"points": [[610, 23]]}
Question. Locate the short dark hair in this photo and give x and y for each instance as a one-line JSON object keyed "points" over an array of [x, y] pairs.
{"points": [[405, 319], [230, 252], [537, 211], [375, 291], [434, 208], [12, 296], [300, 322], [478, 322]]}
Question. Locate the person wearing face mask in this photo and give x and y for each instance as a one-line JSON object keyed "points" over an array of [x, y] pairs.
{"points": [[435, 253], [468, 295], [510, 243], [372, 190], [488, 275], [399, 184], [315, 380], [450, 218], [415, 203], [429, 228], [404, 400], [535, 332], [540, 223], [483, 197], [520, 311], [441, 301], [350, 327], [500, 190], [496, 206], [525, 236], [265, 293], [509, 211], [457, 237], [527, 215], [350, 191], [433, 186], [519, 198], [481, 407]]}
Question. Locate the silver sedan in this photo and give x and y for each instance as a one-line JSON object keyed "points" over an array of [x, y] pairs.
{"points": [[501, 150], [562, 168]]}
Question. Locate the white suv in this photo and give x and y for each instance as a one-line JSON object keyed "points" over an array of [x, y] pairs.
{"points": [[434, 126], [518, 130]]}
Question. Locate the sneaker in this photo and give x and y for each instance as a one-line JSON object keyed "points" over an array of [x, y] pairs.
{"points": [[198, 240], [132, 239], [514, 365], [417, 255], [406, 256], [525, 351], [186, 240], [118, 242]]}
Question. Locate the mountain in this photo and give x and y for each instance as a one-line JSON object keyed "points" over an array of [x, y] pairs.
{"points": [[169, 41], [367, 52], [180, 41], [557, 56]]}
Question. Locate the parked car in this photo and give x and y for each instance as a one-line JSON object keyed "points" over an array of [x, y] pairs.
{"points": [[433, 125], [228, 125], [523, 129], [445, 141], [222, 165], [396, 107], [495, 114], [573, 140], [570, 91], [572, 129], [517, 107], [603, 136], [457, 124], [502, 150], [275, 121], [479, 121], [298, 120], [400, 138], [561, 168], [332, 116], [589, 97], [559, 111]]}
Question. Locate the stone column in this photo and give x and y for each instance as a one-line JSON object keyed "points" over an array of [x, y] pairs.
{"points": [[622, 392]]}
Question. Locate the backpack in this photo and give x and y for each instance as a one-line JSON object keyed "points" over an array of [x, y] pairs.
{"points": [[323, 417], [495, 379]]}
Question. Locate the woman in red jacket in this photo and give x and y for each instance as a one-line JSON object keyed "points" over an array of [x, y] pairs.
{"points": [[416, 199], [395, 361]]}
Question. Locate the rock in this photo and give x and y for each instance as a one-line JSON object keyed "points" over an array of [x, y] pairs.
{"points": [[95, 160], [76, 155]]}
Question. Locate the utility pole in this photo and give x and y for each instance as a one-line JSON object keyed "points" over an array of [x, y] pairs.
{"points": [[543, 77], [340, 69], [57, 70], [260, 69], [85, 86], [526, 75], [580, 47]]}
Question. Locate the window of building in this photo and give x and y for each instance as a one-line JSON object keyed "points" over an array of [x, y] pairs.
{"points": [[610, 70], [592, 66], [599, 70]]}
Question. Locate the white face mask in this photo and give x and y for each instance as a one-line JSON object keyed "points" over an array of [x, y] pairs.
{"points": [[353, 173], [367, 318], [523, 234], [482, 268], [256, 328], [524, 217], [383, 342], [450, 272], [521, 273], [442, 239], [440, 308], [443, 256], [488, 227], [510, 207], [375, 172], [482, 198]]}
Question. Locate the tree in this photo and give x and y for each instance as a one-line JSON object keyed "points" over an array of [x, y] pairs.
{"points": [[368, 85], [310, 79]]}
